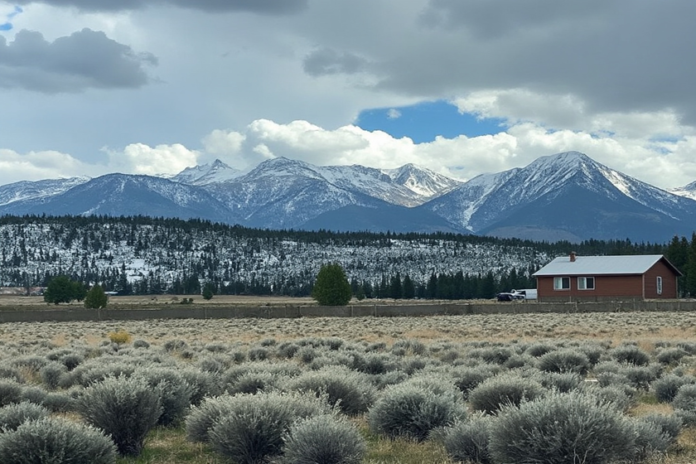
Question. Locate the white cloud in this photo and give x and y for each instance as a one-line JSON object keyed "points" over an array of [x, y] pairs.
{"points": [[39, 165], [393, 113], [665, 163], [138, 158]]}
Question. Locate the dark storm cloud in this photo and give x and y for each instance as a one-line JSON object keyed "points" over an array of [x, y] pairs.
{"points": [[85, 59], [270, 7], [327, 61], [614, 55]]}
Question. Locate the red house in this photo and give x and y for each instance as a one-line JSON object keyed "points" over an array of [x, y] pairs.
{"points": [[601, 278]]}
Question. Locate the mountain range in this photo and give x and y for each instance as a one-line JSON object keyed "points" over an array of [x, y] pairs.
{"points": [[567, 196]]}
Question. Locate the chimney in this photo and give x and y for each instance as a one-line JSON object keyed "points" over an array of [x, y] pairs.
{"points": [[572, 256]]}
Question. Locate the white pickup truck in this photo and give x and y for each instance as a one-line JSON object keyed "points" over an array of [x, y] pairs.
{"points": [[513, 295]]}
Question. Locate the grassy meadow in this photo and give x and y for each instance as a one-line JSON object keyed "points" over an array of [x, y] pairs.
{"points": [[639, 365]]}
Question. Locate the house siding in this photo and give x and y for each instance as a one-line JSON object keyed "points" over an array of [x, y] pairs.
{"points": [[669, 281], [606, 288]]}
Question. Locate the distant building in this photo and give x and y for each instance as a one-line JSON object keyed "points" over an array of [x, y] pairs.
{"points": [[602, 278]]}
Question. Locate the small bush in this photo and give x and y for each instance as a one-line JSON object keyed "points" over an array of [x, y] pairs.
{"points": [[671, 356], [323, 439], [10, 392], [505, 389], [566, 360], [350, 391], [119, 337], [468, 441], [621, 398], [252, 427], [55, 441], [14, 415], [640, 377], [666, 387], [561, 382], [124, 408], [51, 374], [650, 440], [562, 428], [415, 408], [467, 379], [175, 392], [538, 349], [684, 404], [669, 425], [630, 354], [253, 382], [139, 343]]}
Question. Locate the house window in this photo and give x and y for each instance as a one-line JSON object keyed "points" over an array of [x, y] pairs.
{"points": [[586, 283], [561, 283], [659, 285]]}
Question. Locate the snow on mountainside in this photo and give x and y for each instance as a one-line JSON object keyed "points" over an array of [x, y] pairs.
{"points": [[422, 181], [26, 190], [561, 193], [207, 174], [688, 191], [122, 194]]}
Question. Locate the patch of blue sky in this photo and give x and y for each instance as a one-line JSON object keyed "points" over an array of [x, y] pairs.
{"points": [[667, 139], [7, 25], [424, 121]]}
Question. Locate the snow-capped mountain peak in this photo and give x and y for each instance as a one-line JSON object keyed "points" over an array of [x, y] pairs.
{"points": [[422, 181], [687, 191], [26, 190], [205, 174]]}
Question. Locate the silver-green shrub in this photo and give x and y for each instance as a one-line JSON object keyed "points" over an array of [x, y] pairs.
{"points": [[10, 392], [565, 360], [14, 415], [252, 427], [325, 439], [562, 428], [175, 392], [670, 355], [51, 374], [56, 441], [670, 425], [684, 404], [350, 391], [667, 386], [414, 408], [124, 408], [630, 354], [468, 441], [502, 390]]}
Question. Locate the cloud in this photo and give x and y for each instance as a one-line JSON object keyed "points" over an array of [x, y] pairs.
{"points": [[268, 7], [393, 113], [38, 165], [85, 59], [7, 26], [139, 158], [664, 163], [328, 61]]}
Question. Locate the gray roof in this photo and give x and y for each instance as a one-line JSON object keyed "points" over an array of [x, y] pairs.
{"points": [[601, 265]]}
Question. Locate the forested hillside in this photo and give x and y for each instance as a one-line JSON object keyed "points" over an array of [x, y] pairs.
{"points": [[151, 256]]}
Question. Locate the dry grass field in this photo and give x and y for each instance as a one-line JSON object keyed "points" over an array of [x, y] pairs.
{"points": [[447, 339]]}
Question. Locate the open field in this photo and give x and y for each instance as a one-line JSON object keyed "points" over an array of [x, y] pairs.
{"points": [[442, 348], [218, 300]]}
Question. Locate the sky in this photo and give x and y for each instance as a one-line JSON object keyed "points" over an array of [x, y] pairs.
{"points": [[462, 87]]}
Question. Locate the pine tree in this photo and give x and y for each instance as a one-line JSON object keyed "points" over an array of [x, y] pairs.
{"points": [[332, 287], [96, 298], [208, 291], [409, 290]]}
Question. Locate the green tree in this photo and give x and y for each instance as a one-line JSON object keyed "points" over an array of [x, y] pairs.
{"points": [[409, 288], [61, 289], [208, 291], [332, 287], [96, 298]]}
